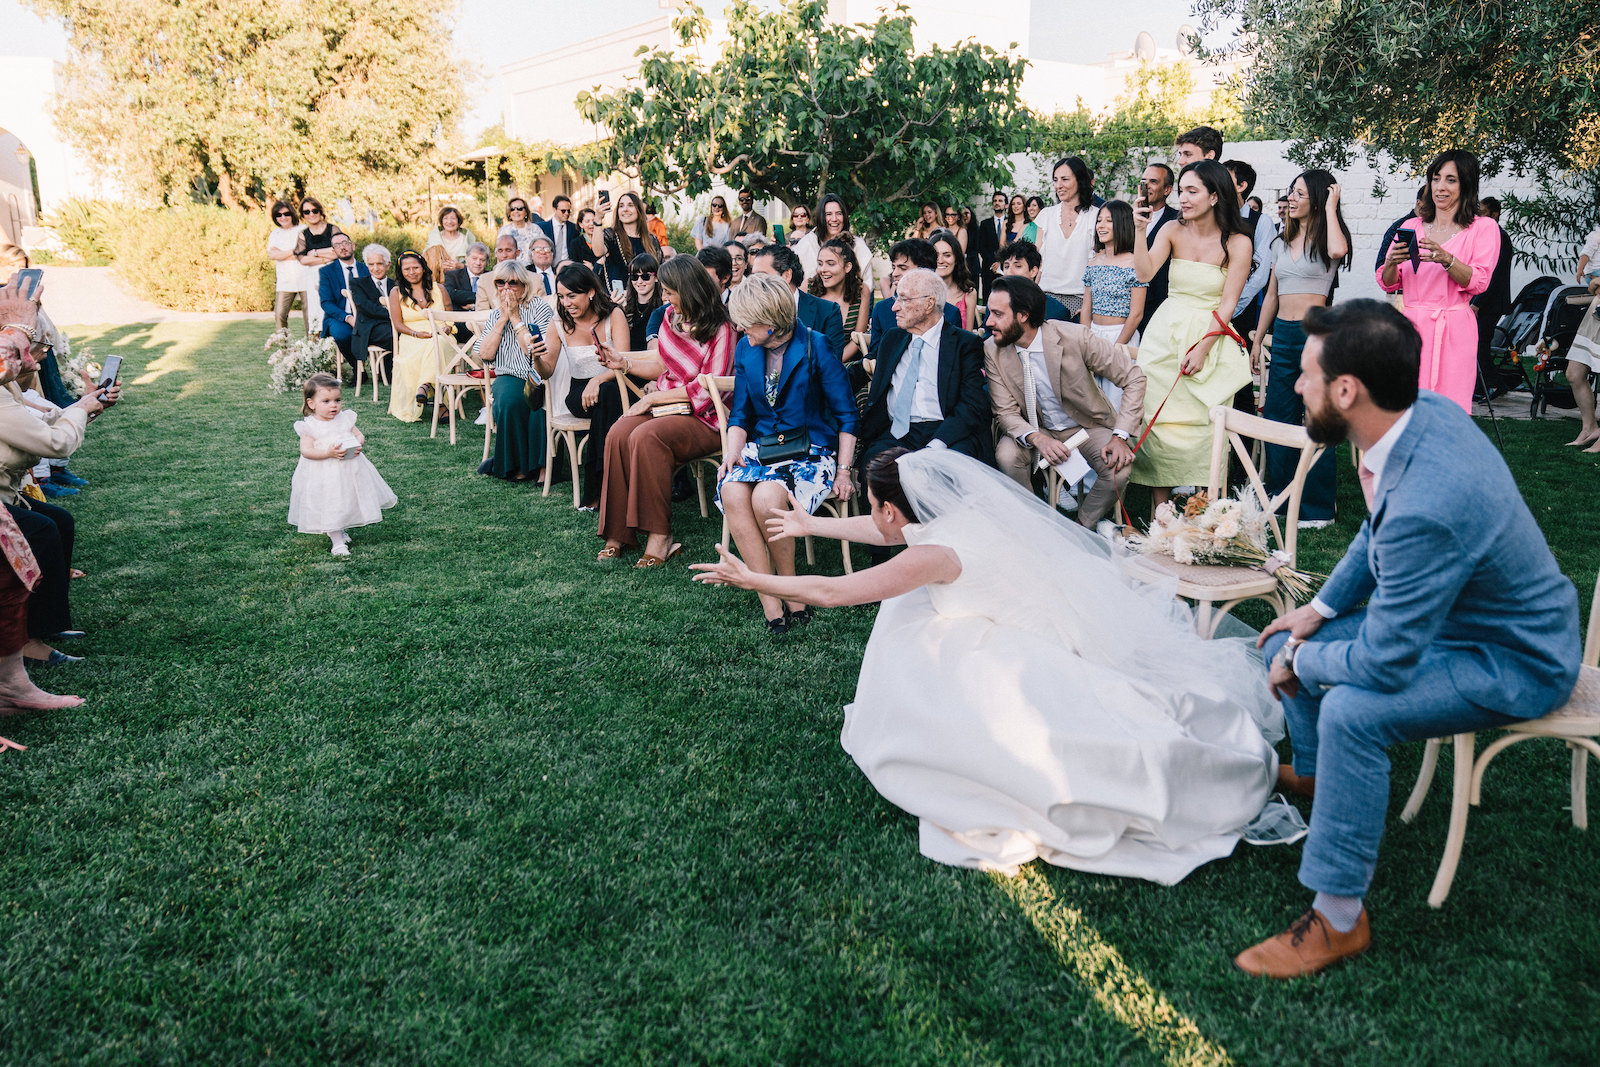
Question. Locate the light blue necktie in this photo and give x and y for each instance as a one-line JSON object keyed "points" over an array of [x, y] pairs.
{"points": [[901, 421]]}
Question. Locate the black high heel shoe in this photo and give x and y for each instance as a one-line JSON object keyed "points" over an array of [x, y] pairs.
{"points": [[780, 625], [798, 618]]}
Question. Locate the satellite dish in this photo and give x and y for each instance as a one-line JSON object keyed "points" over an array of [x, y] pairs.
{"points": [[1144, 46], [1185, 43]]}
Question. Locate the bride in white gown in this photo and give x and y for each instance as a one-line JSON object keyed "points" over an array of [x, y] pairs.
{"points": [[1030, 692]]}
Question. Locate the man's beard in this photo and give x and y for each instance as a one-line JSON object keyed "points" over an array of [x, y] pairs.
{"points": [[1010, 335], [1326, 426]]}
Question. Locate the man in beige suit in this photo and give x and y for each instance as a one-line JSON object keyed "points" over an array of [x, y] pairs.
{"points": [[1043, 389]]}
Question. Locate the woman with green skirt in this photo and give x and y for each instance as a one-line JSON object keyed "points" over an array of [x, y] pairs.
{"points": [[512, 345]]}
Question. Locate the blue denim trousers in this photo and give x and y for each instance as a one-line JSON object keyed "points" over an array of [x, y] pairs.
{"points": [[1283, 404], [1340, 734]]}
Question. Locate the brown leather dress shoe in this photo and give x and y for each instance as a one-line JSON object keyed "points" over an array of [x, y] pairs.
{"points": [[1290, 782], [1308, 946]]}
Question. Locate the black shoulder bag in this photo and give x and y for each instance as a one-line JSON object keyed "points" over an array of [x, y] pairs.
{"points": [[788, 445]]}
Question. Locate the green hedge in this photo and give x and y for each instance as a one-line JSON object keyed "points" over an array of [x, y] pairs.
{"points": [[192, 258]]}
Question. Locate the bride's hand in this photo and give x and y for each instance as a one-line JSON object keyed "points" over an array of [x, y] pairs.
{"points": [[728, 570], [787, 522]]}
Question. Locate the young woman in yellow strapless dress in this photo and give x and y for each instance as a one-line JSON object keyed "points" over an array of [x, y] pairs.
{"points": [[1211, 256]]}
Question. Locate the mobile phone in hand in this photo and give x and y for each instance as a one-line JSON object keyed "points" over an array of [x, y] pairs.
{"points": [[1409, 239], [108, 373], [28, 281]]}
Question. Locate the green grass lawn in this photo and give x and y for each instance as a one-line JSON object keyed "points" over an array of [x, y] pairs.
{"points": [[470, 797]]}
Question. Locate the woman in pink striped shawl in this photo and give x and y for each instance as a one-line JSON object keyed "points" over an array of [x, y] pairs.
{"points": [[644, 448]]}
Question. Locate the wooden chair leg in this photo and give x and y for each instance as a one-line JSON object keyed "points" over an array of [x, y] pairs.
{"points": [[811, 555], [1580, 787], [1419, 792], [700, 487], [575, 455], [1460, 805], [1205, 622]]}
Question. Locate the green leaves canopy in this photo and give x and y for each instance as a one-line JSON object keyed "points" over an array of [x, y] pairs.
{"points": [[1513, 82], [795, 107], [242, 101]]}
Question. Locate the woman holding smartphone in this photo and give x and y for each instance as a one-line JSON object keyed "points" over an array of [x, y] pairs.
{"points": [[1457, 248], [591, 323], [512, 342]]}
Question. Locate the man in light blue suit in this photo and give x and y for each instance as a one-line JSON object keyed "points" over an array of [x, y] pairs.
{"points": [[1468, 624], [333, 293]]}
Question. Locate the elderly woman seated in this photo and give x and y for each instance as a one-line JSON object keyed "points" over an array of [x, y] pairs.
{"points": [[513, 343], [791, 431]]}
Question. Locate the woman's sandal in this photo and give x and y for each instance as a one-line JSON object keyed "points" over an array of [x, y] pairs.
{"points": [[648, 561], [780, 625], [799, 618], [609, 552]]}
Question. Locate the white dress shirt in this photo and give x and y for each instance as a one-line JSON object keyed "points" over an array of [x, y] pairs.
{"points": [[1051, 414], [1262, 254], [1064, 257], [925, 401], [1373, 459]]}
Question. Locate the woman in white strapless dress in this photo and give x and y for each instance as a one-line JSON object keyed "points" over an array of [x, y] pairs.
{"points": [[1027, 694]]}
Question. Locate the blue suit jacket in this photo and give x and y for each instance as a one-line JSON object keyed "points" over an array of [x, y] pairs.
{"points": [[836, 410], [1454, 565], [825, 318], [330, 294], [882, 320]]}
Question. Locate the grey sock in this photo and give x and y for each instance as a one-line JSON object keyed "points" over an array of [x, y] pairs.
{"points": [[1342, 913]]}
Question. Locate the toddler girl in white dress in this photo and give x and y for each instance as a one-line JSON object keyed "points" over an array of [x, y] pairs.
{"points": [[335, 486]]}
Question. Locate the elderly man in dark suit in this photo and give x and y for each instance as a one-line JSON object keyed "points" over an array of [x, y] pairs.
{"points": [[817, 314], [370, 294], [463, 283], [927, 389]]}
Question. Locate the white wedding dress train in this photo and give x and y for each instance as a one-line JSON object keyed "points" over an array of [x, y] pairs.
{"points": [[1050, 702]]}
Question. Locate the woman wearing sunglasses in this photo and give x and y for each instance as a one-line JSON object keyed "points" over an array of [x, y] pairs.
{"points": [[521, 228], [513, 342], [642, 300], [293, 279]]}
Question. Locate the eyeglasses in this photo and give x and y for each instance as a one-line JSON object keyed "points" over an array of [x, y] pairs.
{"points": [[311, 211], [902, 298], [505, 283], [284, 215], [642, 276], [514, 209]]}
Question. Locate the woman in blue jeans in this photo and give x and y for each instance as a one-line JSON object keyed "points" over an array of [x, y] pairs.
{"points": [[1314, 245], [784, 379]]}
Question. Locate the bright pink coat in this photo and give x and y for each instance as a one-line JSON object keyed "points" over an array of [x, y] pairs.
{"points": [[1440, 309]]}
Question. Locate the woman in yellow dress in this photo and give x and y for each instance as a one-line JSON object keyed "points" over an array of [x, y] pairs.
{"points": [[1188, 337], [415, 368]]}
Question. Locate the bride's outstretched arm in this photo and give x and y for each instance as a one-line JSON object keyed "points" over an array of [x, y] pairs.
{"points": [[917, 566], [795, 521]]}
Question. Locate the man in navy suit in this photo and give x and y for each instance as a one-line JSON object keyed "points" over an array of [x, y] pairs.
{"points": [[817, 314], [333, 292], [928, 389], [565, 238], [910, 254], [1157, 184], [1468, 624]]}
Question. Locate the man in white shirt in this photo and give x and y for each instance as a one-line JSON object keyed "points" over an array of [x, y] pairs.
{"points": [[1043, 384], [1066, 233], [927, 388], [543, 254]]}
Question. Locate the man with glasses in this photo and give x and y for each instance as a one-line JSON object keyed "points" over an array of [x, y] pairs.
{"points": [[910, 254], [543, 268], [748, 221], [928, 389], [334, 282], [566, 241]]}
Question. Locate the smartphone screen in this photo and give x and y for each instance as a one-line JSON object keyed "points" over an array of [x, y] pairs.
{"points": [[28, 281], [108, 373]]}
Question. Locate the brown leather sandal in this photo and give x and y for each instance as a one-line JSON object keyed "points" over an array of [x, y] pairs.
{"points": [[609, 552], [648, 561]]}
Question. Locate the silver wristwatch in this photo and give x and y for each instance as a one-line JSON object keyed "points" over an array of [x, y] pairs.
{"points": [[1286, 654]]}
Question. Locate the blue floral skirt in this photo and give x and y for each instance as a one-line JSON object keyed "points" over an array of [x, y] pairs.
{"points": [[809, 479]]}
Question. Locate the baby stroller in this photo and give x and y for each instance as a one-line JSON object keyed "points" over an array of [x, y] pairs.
{"points": [[1559, 327], [1518, 333]]}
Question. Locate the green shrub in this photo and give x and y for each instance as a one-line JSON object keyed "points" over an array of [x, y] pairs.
{"points": [[89, 228], [197, 259]]}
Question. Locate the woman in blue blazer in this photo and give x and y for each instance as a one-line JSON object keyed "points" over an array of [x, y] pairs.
{"points": [[785, 382]]}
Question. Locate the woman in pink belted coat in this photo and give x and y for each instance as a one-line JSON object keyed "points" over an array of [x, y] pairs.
{"points": [[1457, 251]]}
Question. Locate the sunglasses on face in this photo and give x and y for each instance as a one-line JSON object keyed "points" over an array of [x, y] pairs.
{"points": [[517, 209], [643, 276], [310, 211], [505, 283], [284, 215]]}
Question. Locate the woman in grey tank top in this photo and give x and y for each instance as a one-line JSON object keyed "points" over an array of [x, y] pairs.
{"points": [[1314, 245]]}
